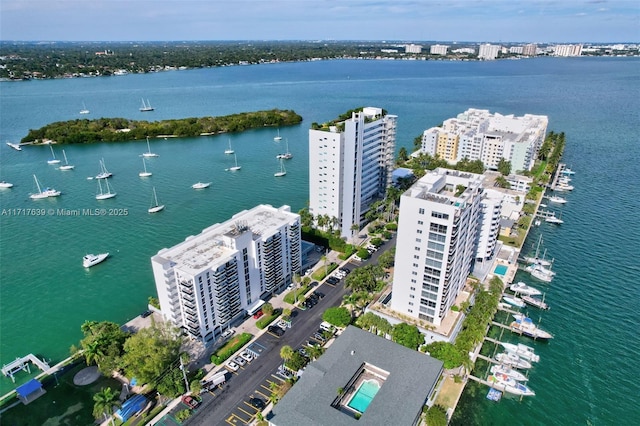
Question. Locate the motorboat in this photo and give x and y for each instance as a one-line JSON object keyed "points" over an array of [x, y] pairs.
{"points": [[15, 146], [508, 371], [90, 260], [4, 184], [509, 385], [554, 220], [524, 289], [564, 187], [525, 326], [538, 303], [557, 200], [514, 301], [513, 360], [201, 185], [568, 171], [523, 351]]}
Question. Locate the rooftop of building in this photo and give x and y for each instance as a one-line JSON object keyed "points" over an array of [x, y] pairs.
{"points": [[370, 113], [410, 377], [446, 186], [199, 251]]}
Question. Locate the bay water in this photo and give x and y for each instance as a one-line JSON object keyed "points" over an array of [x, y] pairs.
{"points": [[587, 372]]}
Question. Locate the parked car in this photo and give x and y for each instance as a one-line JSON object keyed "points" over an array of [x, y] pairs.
{"points": [[246, 355], [285, 373], [145, 314], [258, 314], [345, 270], [274, 329], [313, 284], [319, 294], [333, 280], [257, 403], [357, 258], [327, 327], [228, 333], [320, 338], [282, 324], [232, 366], [190, 401], [240, 361], [302, 352]]}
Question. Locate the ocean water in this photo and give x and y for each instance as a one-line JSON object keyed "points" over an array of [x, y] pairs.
{"points": [[586, 373]]}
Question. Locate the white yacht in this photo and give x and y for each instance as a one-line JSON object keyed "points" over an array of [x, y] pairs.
{"points": [[282, 171], [278, 138], [149, 153], [104, 173], [15, 146], [524, 289], [43, 193], [554, 220], [66, 165], [236, 167], [146, 106], [4, 184], [505, 369], [557, 200], [53, 159], [93, 259], [104, 194], [523, 351], [514, 301], [144, 173], [229, 150], [513, 360], [201, 185], [155, 206], [507, 384]]}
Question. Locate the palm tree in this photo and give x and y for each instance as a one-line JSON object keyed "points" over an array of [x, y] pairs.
{"points": [[104, 403], [93, 353], [315, 352], [286, 353]]}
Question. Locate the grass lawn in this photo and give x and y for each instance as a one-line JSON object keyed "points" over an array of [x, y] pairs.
{"points": [[449, 393], [63, 404]]}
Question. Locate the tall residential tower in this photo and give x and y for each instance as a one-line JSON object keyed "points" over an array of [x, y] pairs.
{"points": [[350, 166]]}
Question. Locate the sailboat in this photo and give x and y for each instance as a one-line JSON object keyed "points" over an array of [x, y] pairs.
{"points": [[53, 160], [287, 155], [537, 260], [229, 150], [282, 171], [278, 138], [145, 173], [84, 109], [46, 193], [104, 173], [236, 167], [66, 166], [149, 153], [146, 106], [104, 195], [155, 207]]}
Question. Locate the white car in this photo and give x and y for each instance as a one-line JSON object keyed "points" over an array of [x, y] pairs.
{"points": [[246, 356], [357, 258], [239, 360], [282, 324], [232, 366], [228, 333]]}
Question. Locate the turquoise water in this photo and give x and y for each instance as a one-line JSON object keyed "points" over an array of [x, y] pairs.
{"points": [[364, 395], [500, 270], [586, 372]]}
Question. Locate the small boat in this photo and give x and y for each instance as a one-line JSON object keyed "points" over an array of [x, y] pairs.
{"points": [[236, 167], [540, 272], [4, 184], [90, 260], [538, 303], [155, 206], [53, 160], [15, 146], [146, 106], [46, 193], [282, 171], [514, 301], [145, 173], [104, 195], [84, 109], [523, 351], [149, 153], [537, 260], [66, 166], [278, 137], [287, 155], [564, 187], [229, 150], [513, 360], [554, 220], [508, 371], [524, 289], [104, 173], [557, 200], [567, 171], [525, 326], [507, 384], [201, 185]]}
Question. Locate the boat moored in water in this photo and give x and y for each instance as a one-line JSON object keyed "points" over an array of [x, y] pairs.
{"points": [[15, 146], [532, 301], [523, 351], [514, 301], [201, 185], [525, 326], [513, 360], [509, 385], [90, 260], [522, 288], [510, 372]]}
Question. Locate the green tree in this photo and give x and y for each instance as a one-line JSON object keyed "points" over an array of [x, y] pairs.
{"points": [[150, 351], [297, 362], [267, 309], [104, 403], [407, 335], [504, 167], [402, 155], [103, 344], [387, 259], [446, 352], [315, 351], [337, 316], [286, 352], [436, 416]]}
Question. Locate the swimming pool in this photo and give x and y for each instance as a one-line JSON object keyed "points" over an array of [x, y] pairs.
{"points": [[362, 398], [500, 270]]}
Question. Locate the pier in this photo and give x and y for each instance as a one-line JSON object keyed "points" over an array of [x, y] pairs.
{"points": [[23, 364], [556, 176]]}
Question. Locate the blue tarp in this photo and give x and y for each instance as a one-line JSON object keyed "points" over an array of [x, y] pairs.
{"points": [[28, 388], [130, 407]]}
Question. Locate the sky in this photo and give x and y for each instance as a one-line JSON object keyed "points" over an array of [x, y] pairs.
{"points": [[541, 21]]}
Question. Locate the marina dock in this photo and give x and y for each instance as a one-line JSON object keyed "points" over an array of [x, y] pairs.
{"points": [[23, 364]]}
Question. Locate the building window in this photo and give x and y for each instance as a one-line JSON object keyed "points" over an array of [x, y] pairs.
{"points": [[415, 265], [417, 248], [438, 215], [415, 256], [420, 211], [412, 288], [420, 222]]}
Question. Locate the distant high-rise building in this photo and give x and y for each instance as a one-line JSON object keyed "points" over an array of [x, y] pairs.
{"points": [[413, 48], [516, 50], [438, 49], [488, 51], [213, 278], [437, 242], [350, 166], [567, 50], [489, 224], [479, 135], [530, 49]]}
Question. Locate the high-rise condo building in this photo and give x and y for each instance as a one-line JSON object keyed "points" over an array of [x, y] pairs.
{"points": [[413, 48], [488, 51], [211, 279], [479, 135], [350, 165], [438, 49], [437, 242], [488, 224], [567, 50]]}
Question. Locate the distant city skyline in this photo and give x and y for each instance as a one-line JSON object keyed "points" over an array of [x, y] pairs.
{"points": [[595, 21]]}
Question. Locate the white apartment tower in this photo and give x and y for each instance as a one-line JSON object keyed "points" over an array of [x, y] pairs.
{"points": [[350, 166], [210, 279], [436, 245], [567, 50], [438, 49], [488, 51], [489, 224], [479, 135], [413, 48]]}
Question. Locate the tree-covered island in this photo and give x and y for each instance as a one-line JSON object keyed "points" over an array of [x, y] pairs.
{"points": [[123, 129]]}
